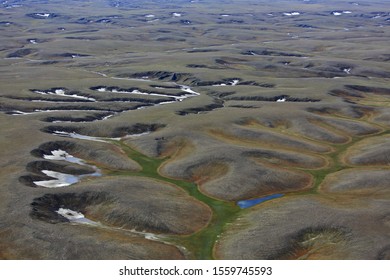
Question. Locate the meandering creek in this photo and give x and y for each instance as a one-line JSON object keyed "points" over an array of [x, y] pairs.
{"points": [[223, 212]]}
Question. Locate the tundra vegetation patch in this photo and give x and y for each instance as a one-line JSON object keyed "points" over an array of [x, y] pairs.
{"points": [[171, 130]]}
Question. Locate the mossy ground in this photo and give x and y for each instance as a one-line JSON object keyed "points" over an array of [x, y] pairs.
{"points": [[200, 244], [294, 59]]}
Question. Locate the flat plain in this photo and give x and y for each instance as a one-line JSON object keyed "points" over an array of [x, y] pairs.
{"points": [[195, 129]]}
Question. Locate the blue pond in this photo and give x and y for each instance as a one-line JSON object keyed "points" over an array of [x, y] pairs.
{"points": [[251, 202]]}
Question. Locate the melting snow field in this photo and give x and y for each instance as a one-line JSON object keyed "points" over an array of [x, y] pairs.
{"points": [[347, 70], [339, 13], [44, 15], [84, 137], [63, 155], [38, 111], [92, 138], [75, 217], [78, 217], [63, 179], [292, 14], [62, 92], [18, 113], [187, 92], [177, 98], [230, 83]]}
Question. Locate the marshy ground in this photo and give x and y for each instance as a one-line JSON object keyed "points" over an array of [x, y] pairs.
{"points": [[194, 130]]}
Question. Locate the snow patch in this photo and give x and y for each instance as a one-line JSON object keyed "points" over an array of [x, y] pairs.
{"points": [[229, 83], [18, 113], [64, 156], [339, 13], [62, 92], [61, 180], [45, 15], [347, 70], [74, 216], [292, 14], [92, 138]]}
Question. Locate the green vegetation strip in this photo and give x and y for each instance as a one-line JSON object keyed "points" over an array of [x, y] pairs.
{"points": [[200, 244], [335, 162]]}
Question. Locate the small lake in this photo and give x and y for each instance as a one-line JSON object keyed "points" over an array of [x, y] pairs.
{"points": [[252, 202]]}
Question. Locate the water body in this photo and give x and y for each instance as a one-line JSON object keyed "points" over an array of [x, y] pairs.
{"points": [[62, 179], [252, 202], [63, 155]]}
